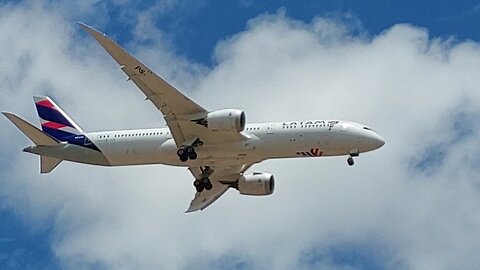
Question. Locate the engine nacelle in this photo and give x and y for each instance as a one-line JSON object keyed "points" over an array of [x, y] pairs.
{"points": [[227, 120], [256, 184]]}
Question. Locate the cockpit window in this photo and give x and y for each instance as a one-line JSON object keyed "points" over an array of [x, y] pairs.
{"points": [[367, 128]]}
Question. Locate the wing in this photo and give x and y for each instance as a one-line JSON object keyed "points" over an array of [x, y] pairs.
{"points": [[177, 109], [221, 178]]}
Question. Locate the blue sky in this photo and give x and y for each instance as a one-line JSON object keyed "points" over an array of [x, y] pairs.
{"points": [[191, 32], [196, 27]]}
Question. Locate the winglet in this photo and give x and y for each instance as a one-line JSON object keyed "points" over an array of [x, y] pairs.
{"points": [[92, 31], [117, 52]]}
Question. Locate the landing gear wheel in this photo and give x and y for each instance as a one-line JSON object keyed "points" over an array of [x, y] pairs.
{"points": [[192, 155], [190, 149], [207, 184], [198, 185], [184, 157], [199, 188], [187, 153], [182, 154], [350, 161]]}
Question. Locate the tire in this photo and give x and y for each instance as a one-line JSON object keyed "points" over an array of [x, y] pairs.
{"points": [[350, 161], [180, 152], [192, 155], [190, 149], [208, 186], [199, 188], [184, 157]]}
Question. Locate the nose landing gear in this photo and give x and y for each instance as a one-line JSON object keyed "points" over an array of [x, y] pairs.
{"points": [[350, 161], [353, 153]]}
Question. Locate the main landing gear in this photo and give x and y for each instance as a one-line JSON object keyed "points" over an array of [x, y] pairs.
{"points": [[187, 153], [204, 181]]}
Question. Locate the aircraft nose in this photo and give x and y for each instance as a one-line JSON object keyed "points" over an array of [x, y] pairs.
{"points": [[372, 138], [379, 141]]}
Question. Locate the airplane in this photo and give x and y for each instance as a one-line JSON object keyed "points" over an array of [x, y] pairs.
{"points": [[218, 147]]}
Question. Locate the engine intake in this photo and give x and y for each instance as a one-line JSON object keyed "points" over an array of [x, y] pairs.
{"points": [[256, 184], [227, 120]]}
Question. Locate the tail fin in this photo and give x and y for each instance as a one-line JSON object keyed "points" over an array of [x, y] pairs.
{"points": [[55, 122], [32, 132]]}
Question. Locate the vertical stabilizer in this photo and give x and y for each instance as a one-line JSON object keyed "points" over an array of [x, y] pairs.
{"points": [[55, 122]]}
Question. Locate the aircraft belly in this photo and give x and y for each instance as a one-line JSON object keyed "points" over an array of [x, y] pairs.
{"points": [[304, 144], [153, 151]]}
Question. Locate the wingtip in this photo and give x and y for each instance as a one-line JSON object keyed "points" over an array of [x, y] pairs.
{"points": [[83, 25], [191, 210], [11, 117], [90, 29]]}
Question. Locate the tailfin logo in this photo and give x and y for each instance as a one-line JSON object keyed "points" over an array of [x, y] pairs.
{"points": [[314, 152]]}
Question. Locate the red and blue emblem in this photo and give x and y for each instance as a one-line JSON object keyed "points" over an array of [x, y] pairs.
{"points": [[314, 152], [56, 123]]}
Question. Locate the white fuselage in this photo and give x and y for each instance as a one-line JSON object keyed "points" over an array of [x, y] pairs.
{"points": [[262, 141]]}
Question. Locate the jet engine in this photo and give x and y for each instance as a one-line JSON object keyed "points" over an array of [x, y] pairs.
{"points": [[256, 184], [227, 120]]}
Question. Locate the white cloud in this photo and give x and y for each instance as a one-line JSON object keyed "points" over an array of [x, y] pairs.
{"points": [[407, 85]]}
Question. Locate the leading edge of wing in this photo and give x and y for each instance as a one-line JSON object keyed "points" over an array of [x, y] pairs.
{"points": [[153, 85]]}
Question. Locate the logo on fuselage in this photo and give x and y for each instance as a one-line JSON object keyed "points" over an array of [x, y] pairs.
{"points": [[314, 152], [318, 123]]}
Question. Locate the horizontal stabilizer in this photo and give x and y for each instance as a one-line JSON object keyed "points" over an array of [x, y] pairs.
{"points": [[47, 164], [33, 133]]}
